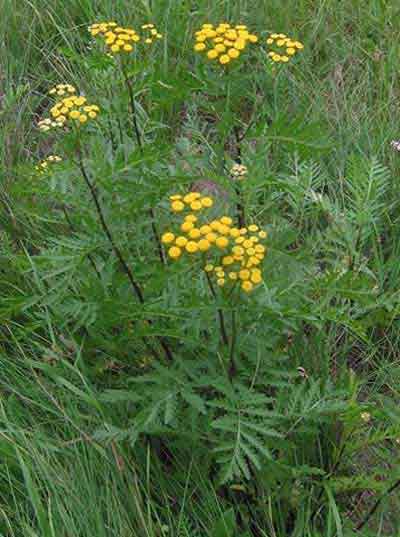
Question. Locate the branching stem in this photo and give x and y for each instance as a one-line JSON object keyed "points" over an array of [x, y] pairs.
{"points": [[135, 286]]}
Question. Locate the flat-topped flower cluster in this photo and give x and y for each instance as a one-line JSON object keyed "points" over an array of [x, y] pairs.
{"points": [[120, 39], [223, 42], [284, 48], [229, 253], [73, 108]]}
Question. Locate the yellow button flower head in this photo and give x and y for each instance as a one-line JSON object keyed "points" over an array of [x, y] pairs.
{"points": [[234, 232], [174, 252], [228, 260], [196, 205], [206, 202], [256, 276], [282, 48], [226, 220], [205, 229], [187, 226], [244, 274], [247, 286], [224, 42], [191, 197], [181, 241], [211, 237], [167, 238], [177, 206], [204, 245], [191, 247], [194, 233], [222, 242]]}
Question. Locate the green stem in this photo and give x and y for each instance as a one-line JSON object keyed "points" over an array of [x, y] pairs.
{"points": [[220, 313], [232, 364], [139, 140], [391, 489], [132, 103], [135, 286], [240, 211]]}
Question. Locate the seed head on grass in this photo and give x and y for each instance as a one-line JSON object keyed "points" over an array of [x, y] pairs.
{"points": [[395, 145], [238, 171]]}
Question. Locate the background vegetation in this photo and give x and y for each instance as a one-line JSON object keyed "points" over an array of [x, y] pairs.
{"points": [[98, 438]]}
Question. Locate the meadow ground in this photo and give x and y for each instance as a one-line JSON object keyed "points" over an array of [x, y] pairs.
{"points": [[144, 395]]}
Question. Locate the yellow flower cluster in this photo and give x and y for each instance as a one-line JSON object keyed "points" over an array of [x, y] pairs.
{"points": [[194, 201], [47, 124], [223, 42], [62, 89], [238, 251], [152, 33], [116, 38], [239, 171], [101, 28], [279, 42], [44, 164], [74, 107], [241, 262]]}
